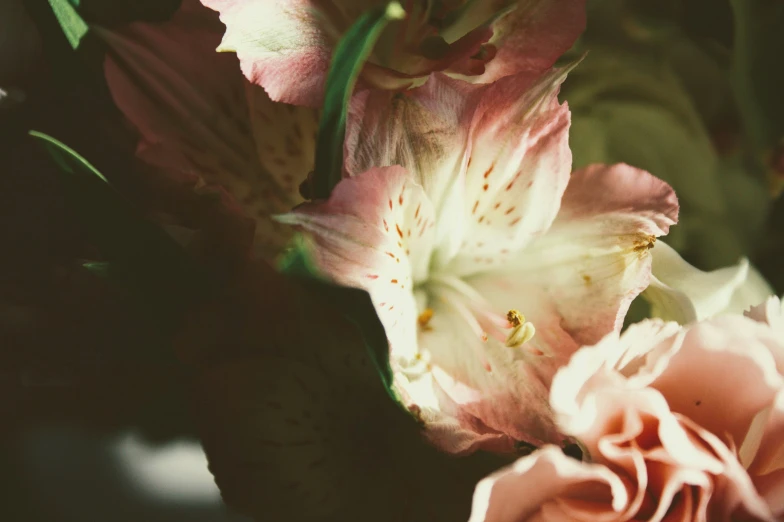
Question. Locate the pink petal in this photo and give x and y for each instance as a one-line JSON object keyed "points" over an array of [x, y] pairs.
{"points": [[575, 282], [486, 387], [643, 391], [518, 168], [424, 130], [280, 46], [198, 118], [533, 36], [594, 259], [375, 233], [494, 159], [730, 358], [548, 485]]}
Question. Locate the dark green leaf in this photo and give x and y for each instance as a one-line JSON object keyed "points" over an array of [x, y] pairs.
{"points": [[350, 55], [354, 305], [297, 425], [140, 255], [757, 76]]}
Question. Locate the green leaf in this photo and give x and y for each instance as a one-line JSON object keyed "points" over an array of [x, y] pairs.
{"points": [[354, 305], [757, 77], [70, 21], [296, 424], [350, 55], [141, 256]]}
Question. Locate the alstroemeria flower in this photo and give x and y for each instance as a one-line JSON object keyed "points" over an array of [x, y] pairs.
{"points": [[485, 268], [683, 293], [285, 45], [201, 122], [677, 424]]}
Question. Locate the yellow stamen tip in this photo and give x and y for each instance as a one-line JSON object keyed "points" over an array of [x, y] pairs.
{"points": [[425, 317], [515, 317]]}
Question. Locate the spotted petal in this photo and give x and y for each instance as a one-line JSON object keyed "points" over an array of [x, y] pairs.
{"points": [[584, 271], [375, 233], [198, 118], [517, 170]]}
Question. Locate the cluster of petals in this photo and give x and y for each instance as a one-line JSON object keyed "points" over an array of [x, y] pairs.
{"points": [[676, 423], [488, 261], [286, 45]]}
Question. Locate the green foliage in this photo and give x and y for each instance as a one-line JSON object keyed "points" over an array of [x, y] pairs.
{"points": [[756, 74], [347, 62], [296, 420], [658, 97], [354, 305], [138, 254], [72, 24]]}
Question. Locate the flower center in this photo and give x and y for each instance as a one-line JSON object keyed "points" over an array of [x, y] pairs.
{"points": [[512, 329]]}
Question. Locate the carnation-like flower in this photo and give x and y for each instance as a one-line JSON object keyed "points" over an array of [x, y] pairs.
{"points": [[201, 122], [486, 262], [675, 423], [286, 45]]}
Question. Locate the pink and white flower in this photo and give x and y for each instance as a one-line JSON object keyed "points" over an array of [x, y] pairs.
{"points": [[676, 424], [459, 215], [286, 45]]}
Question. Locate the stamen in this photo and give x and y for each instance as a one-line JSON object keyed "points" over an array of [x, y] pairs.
{"points": [[514, 317], [478, 304], [520, 334], [424, 318], [469, 318], [416, 366]]}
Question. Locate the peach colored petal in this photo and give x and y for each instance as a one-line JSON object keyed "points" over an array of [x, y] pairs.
{"points": [[728, 351], [548, 485], [667, 406]]}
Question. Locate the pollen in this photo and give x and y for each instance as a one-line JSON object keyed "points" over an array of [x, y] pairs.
{"points": [[644, 244], [424, 318], [514, 317]]}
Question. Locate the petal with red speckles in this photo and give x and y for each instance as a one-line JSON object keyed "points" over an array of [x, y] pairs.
{"points": [[198, 118], [376, 233]]}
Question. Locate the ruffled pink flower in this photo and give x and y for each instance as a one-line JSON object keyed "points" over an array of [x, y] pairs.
{"points": [[286, 45], [487, 263], [676, 424], [200, 122]]}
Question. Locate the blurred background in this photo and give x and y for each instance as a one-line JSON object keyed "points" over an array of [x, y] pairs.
{"points": [[96, 424]]}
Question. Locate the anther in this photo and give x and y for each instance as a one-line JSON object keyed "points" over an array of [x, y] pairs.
{"points": [[424, 318], [520, 334]]}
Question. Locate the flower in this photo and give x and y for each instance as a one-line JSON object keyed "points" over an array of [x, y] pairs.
{"points": [[200, 122], [285, 45], [677, 423], [485, 268], [680, 292]]}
